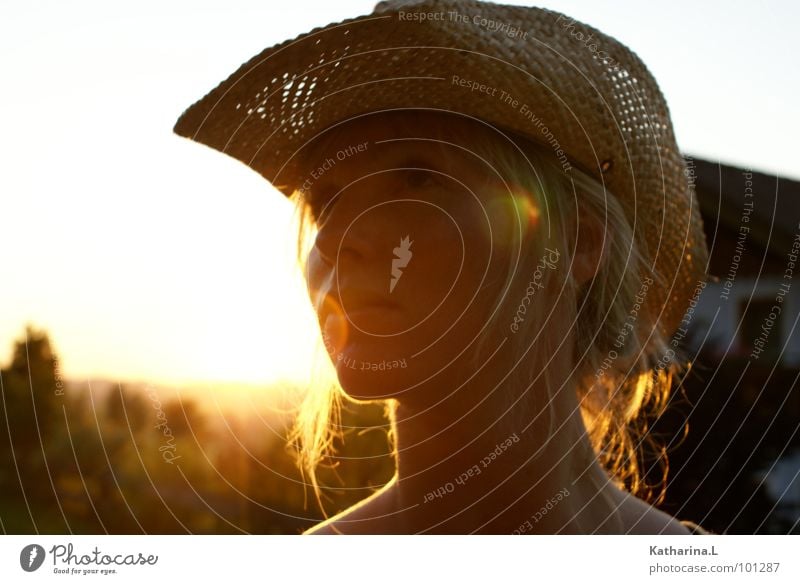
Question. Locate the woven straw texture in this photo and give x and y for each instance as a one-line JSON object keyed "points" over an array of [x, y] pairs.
{"points": [[589, 96]]}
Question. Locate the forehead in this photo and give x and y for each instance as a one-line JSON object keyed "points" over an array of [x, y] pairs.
{"points": [[374, 140]]}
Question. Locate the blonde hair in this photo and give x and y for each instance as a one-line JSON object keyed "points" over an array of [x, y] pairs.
{"points": [[623, 377]]}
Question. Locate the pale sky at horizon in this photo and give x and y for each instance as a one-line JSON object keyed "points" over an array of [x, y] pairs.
{"points": [[147, 256]]}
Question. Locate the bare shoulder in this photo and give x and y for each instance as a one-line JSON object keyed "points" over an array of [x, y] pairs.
{"points": [[369, 516], [641, 518], [327, 527]]}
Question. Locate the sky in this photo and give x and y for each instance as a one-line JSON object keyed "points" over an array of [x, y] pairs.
{"points": [[149, 257]]}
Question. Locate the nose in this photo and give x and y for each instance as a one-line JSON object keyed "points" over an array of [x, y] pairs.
{"points": [[325, 245], [343, 237], [339, 254], [333, 245]]}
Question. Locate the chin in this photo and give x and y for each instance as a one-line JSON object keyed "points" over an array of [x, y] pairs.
{"points": [[369, 368], [373, 378]]}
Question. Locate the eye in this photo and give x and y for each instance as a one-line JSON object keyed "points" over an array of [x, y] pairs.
{"points": [[420, 178]]}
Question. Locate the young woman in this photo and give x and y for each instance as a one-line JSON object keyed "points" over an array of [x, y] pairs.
{"points": [[498, 241]]}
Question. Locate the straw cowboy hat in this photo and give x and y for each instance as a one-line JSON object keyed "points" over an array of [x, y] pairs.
{"points": [[530, 70]]}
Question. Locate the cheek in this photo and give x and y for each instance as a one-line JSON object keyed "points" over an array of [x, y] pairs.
{"points": [[488, 251], [431, 277], [318, 276], [456, 265]]}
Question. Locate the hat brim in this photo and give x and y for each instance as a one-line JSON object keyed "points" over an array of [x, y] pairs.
{"points": [[596, 106]]}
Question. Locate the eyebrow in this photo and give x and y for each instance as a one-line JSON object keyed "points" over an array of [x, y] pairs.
{"points": [[417, 161]]}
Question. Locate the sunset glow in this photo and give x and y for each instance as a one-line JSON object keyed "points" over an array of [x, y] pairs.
{"points": [[147, 256]]}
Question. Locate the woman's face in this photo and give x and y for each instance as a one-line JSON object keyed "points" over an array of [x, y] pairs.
{"points": [[411, 253]]}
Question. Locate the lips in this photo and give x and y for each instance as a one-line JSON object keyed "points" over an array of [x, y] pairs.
{"points": [[357, 299], [354, 301]]}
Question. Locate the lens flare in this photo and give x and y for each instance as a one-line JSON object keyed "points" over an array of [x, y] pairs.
{"points": [[511, 215]]}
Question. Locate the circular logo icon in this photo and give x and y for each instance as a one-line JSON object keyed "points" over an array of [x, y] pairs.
{"points": [[31, 557]]}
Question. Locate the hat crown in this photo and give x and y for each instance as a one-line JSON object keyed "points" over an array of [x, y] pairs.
{"points": [[389, 5]]}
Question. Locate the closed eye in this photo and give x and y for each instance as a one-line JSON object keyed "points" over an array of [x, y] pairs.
{"points": [[417, 178], [418, 174]]}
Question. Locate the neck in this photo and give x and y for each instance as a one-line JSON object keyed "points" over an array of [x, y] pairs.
{"points": [[463, 467]]}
